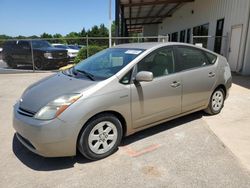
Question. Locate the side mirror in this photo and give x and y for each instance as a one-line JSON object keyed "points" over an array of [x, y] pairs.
{"points": [[144, 76]]}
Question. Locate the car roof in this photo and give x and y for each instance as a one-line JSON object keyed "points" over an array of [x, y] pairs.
{"points": [[149, 45]]}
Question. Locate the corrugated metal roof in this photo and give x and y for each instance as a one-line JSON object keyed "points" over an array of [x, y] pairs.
{"points": [[142, 12]]}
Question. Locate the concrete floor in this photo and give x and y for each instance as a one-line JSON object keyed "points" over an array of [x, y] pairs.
{"points": [[232, 126], [181, 153]]}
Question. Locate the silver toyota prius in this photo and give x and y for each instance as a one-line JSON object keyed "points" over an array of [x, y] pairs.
{"points": [[117, 92]]}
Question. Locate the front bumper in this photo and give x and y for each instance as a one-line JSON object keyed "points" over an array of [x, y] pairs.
{"points": [[72, 58], [56, 63], [54, 138]]}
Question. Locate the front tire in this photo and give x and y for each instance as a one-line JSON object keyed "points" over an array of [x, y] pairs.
{"points": [[216, 102], [39, 64], [100, 137]]}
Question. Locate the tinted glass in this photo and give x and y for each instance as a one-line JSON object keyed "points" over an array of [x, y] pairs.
{"points": [[108, 62], [126, 79], [201, 30], [211, 57], [174, 37], [40, 44], [190, 58], [188, 35], [219, 34], [183, 35], [23, 44], [159, 62]]}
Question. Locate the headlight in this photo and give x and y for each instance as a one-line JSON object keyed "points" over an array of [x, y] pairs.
{"points": [[70, 54], [48, 55], [56, 107]]}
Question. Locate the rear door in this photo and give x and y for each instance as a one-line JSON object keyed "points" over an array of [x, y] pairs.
{"points": [[161, 98], [198, 75]]}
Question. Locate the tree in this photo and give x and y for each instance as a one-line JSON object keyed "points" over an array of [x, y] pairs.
{"points": [[83, 32], [73, 35], [59, 39], [46, 36]]}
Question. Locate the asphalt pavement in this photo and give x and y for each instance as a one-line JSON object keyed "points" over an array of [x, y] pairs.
{"points": [[181, 153]]}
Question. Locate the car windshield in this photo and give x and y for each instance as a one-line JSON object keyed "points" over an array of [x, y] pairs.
{"points": [[107, 62], [40, 44]]}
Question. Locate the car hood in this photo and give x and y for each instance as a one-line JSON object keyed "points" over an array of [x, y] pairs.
{"points": [[46, 90], [72, 50], [51, 49]]}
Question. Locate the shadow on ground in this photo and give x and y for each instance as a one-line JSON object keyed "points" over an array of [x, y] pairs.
{"points": [[39, 163], [243, 81]]}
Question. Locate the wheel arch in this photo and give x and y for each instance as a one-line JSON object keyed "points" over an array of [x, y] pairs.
{"points": [[222, 87], [115, 113]]}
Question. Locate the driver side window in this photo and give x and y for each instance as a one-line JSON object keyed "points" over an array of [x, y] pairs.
{"points": [[160, 62]]}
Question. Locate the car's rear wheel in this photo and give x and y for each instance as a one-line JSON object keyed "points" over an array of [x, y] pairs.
{"points": [[100, 137], [216, 102], [10, 62]]}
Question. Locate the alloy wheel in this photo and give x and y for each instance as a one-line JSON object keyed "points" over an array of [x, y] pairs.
{"points": [[102, 137]]}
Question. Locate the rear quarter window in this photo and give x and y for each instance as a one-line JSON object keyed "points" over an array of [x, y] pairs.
{"points": [[211, 57], [190, 58]]}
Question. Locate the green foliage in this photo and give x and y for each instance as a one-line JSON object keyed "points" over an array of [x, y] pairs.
{"points": [[82, 54], [46, 36], [58, 39], [95, 31]]}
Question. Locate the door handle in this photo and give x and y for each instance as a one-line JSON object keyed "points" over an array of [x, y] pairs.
{"points": [[211, 74], [175, 84]]}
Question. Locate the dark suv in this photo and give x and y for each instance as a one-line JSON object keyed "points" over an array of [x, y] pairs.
{"points": [[18, 52]]}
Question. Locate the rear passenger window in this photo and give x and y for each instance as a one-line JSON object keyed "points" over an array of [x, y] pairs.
{"points": [[211, 57], [190, 58]]}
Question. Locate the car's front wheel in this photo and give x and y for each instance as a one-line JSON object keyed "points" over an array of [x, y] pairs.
{"points": [[100, 137], [216, 102], [39, 64]]}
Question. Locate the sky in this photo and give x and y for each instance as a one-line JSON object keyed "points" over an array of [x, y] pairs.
{"points": [[33, 17]]}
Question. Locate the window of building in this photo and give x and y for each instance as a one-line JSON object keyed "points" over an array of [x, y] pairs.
{"points": [[159, 62], [182, 36], [188, 35], [174, 37], [219, 35], [201, 30]]}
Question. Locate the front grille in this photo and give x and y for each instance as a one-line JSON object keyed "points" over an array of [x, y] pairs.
{"points": [[60, 55], [25, 112], [27, 142]]}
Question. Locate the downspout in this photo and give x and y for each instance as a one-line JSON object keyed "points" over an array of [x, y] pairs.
{"points": [[245, 42]]}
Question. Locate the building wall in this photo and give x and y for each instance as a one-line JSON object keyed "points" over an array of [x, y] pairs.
{"points": [[235, 12], [150, 30], [246, 64]]}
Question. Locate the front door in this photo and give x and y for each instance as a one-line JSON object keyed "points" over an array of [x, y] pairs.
{"points": [[234, 49], [161, 98]]}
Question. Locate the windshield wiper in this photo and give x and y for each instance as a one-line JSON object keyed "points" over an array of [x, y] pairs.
{"points": [[89, 75]]}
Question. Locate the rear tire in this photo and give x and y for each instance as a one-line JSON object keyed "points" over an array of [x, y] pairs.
{"points": [[100, 137], [216, 102], [10, 62]]}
